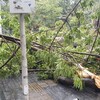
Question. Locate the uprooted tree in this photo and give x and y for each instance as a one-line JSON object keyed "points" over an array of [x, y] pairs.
{"points": [[59, 39]]}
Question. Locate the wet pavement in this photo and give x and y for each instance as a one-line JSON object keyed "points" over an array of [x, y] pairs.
{"points": [[11, 89]]}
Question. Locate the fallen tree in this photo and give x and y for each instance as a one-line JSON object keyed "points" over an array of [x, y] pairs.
{"points": [[84, 73]]}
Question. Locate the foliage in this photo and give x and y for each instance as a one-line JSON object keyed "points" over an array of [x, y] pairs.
{"points": [[45, 15], [78, 36], [78, 82], [46, 60], [12, 68], [64, 69]]}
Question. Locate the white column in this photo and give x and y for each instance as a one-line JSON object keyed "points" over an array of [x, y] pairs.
{"points": [[24, 59]]}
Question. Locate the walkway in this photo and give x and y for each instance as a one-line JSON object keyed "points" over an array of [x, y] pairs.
{"points": [[42, 90]]}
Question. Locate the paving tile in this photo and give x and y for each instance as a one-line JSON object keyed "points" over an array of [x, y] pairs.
{"points": [[11, 89]]}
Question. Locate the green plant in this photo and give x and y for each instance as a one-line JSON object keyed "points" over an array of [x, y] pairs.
{"points": [[78, 82]]}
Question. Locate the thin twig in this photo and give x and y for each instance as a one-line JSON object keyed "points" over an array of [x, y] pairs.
{"points": [[13, 54], [94, 40], [82, 53]]}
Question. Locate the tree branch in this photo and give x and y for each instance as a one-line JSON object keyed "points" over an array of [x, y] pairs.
{"points": [[94, 40], [82, 53], [12, 39], [64, 23], [13, 54]]}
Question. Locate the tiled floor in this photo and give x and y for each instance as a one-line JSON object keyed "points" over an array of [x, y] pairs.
{"points": [[10, 89]]}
